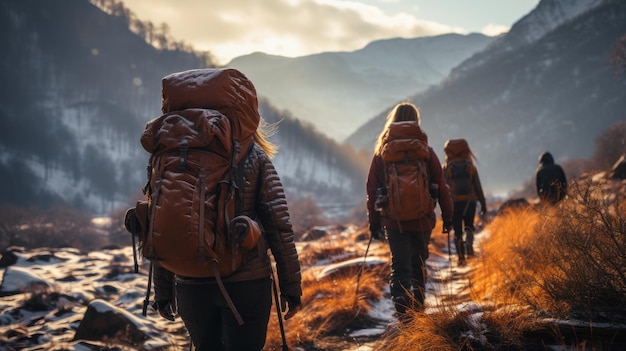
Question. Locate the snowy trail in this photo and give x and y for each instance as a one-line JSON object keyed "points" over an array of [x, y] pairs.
{"points": [[447, 285]]}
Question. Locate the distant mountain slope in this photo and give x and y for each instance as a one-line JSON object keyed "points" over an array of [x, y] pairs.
{"points": [[338, 91], [547, 16], [556, 93], [77, 89]]}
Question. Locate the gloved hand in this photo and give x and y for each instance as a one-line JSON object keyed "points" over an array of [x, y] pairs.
{"points": [[131, 222], [294, 305], [165, 309], [376, 231]]}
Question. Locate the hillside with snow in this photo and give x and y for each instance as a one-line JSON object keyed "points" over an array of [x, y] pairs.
{"points": [[539, 87], [77, 101]]}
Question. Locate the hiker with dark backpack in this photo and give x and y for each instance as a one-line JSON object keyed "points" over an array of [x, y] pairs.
{"points": [[462, 178], [404, 184], [550, 180], [215, 205]]}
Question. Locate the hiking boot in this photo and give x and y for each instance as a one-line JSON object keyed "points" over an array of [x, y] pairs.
{"points": [[462, 262], [469, 241], [470, 251]]}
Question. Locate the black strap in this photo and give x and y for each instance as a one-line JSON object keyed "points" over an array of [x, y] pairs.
{"points": [[220, 284]]}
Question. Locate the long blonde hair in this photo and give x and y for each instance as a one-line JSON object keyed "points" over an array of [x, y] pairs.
{"points": [[404, 111], [261, 137]]}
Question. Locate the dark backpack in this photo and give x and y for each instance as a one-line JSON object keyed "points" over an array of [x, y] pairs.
{"points": [[406, 158], [459, 168], [459, 175]]}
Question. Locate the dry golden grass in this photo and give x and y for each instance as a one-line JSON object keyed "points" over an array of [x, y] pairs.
{"points": [[501, 264], [330, 306], [567, 261]]}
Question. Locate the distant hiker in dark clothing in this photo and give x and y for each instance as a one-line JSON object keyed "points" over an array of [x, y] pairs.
{"points": [[462, 177], [550, 180], [409, 237]]}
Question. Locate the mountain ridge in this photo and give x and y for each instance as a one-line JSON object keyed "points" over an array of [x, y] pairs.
{"points": [[336, 91], [515, 104]]}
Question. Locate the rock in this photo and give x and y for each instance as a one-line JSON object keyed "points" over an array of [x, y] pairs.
{"points": [[17, 280], [351, 267], [513, 204], [619, 168], [7, 258], [314, 234], [105, 322]]}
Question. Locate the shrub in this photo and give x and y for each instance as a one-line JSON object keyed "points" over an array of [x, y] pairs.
{"points": [[568, 261], [54, 227], [610, 145]]}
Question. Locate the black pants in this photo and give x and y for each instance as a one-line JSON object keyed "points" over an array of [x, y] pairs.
{"points": [[211, 323], [463, 217], [409, 251]]}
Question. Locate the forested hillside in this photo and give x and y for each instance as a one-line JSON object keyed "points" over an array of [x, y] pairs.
{"points": [[80, 79]]}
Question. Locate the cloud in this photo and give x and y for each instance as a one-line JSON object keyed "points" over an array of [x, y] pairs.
{"points": [[281, 27], [493, 30]]}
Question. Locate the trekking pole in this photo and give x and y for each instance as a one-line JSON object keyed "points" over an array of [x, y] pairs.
{"points": [[146, 301], [283, 346], [135, 253], [358, 276], [449, 248]]}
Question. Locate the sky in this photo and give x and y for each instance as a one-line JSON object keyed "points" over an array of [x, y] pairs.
{"points": [[292, 28]]}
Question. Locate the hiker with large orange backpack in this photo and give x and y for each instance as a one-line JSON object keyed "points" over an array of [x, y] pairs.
{"points": [[466, 189], [404, 184], [215, 205]]}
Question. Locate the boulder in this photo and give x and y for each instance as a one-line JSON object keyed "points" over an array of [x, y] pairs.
{"points": [[105, 322], [18, 280], [351, 267], [513, 204]]}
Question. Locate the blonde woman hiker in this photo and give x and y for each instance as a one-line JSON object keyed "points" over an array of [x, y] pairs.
{"points": [[402, 164]]}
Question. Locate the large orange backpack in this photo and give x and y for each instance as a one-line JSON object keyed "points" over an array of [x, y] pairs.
{"points": [[209, 118], [406, 155]]}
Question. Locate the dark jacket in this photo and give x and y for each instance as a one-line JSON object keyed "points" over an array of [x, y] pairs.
{"points": [[376, 179], [261, 197], [550, 179]]}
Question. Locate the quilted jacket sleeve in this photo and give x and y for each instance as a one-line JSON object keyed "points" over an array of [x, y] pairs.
{"points": [[375, 179], [445, 198], [274, 215], [163, 283]]}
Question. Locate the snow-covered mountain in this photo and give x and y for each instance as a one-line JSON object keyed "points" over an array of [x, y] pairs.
{"points": [[543, 86], [338, 91], [547, 16]]}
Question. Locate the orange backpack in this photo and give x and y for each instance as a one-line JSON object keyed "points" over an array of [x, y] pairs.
{"points": [[210, 116], [407, 178]]}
